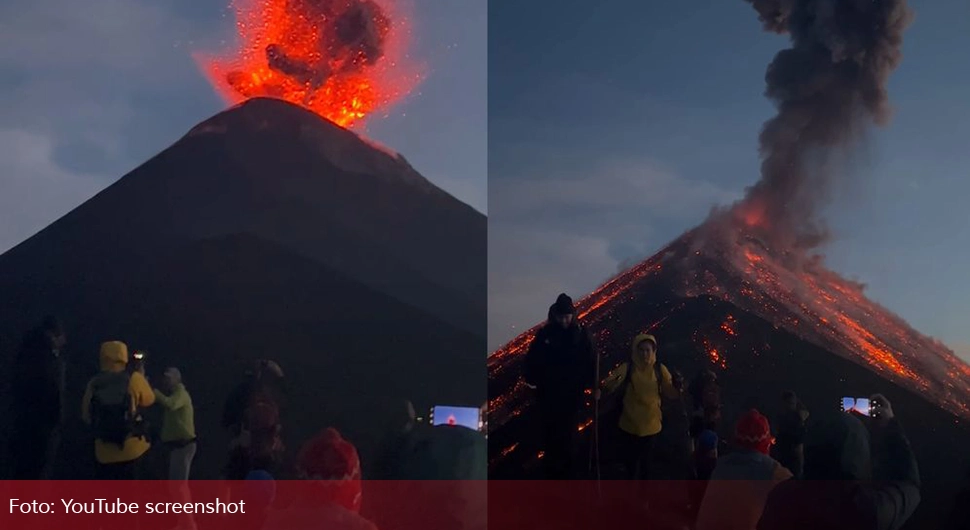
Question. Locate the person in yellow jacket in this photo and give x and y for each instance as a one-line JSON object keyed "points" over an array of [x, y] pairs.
{"points": [[644, 383], [111, 405]]}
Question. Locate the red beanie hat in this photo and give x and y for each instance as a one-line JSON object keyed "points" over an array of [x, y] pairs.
{"points": [[753, 432], [334, 461]]}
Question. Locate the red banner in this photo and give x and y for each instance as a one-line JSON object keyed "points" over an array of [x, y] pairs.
{"points": [[419, 505], [244, 505]]}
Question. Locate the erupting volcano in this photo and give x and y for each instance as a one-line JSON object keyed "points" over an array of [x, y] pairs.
{"points": [[341, 59], [743, 294]]}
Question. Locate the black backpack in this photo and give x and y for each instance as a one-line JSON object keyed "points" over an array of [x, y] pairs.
{"points": [[112, 409]]}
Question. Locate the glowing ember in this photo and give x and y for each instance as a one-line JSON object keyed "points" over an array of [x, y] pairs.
{"points": [[338, 58], [817, 305], [508, 450], [713, 352]]}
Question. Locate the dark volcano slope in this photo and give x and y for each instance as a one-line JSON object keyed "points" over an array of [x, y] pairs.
{"points": [[277, 171], [267, 232], [762, 362], [350, 354]]}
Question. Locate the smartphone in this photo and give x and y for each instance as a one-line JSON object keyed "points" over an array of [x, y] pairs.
{"points": [[861, 406], [469, 417]]}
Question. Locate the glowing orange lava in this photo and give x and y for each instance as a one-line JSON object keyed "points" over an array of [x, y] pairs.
{"points": [[820, 307], [292, 50]]}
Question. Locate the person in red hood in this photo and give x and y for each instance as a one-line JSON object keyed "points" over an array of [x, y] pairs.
{"points": [[333, 499]]}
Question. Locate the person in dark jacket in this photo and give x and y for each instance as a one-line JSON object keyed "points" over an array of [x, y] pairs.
{"points": [[449, 465], [38, 401], [397, 443], [844, 489], [560, 366], [705, 394], [263, 383], [790, 447], [960, 515]]}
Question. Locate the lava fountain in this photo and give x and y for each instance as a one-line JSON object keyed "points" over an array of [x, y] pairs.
{"points": [[341, 59]]}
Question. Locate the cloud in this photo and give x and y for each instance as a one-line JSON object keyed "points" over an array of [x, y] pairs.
{"points": [[529, 267], [35, 190], [571, 229], [74, 81], [639, 185]]}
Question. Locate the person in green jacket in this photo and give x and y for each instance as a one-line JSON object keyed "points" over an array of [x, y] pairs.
{"points": [[178, 424]]}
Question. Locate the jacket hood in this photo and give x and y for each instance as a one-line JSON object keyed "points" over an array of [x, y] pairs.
{"points": [[635, 353], [837, 448], [114, 356]]}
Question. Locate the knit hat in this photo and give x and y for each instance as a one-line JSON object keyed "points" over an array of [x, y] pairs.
{"points": [[753, 432], [563, 306], [333, 461]]}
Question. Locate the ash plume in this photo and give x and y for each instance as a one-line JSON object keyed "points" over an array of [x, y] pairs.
{"points": [[828, 87]]}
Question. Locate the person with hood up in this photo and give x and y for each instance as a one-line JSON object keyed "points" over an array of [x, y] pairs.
{"points": [[333, 500], [178, 437], [111, 405], [560, 366], [644, 383], [844, 489], [178, 424], [38, 406], [739, 486]]}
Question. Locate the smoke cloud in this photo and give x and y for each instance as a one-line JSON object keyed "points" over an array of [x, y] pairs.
{"points": [[829, 87], [328, 38]]}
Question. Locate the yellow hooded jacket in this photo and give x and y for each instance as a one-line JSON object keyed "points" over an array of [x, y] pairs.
{"points": [[114, 358], [642, 414]]}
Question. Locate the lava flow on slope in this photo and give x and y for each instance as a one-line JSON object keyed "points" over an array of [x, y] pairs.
{"points": [[811, 302], [342, 59]]}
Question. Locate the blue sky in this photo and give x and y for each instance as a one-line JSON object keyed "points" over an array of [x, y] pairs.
{"points": [[91, 89], [613, 129]]}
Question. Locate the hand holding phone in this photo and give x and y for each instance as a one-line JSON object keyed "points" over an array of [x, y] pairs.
{"points": [[882, 409]]}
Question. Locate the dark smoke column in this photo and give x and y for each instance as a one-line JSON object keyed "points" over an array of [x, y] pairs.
{"points": [[828, 88]]}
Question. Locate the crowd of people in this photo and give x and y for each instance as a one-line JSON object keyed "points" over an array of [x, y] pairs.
{"points": [[846, 471], [118, 399]]}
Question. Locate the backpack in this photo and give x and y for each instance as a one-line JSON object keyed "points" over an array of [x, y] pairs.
{"points": [[112, 409], [260, 427]]}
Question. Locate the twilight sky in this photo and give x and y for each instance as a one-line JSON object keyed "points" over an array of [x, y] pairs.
{"points": [[91, 89], [614, 129]]}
